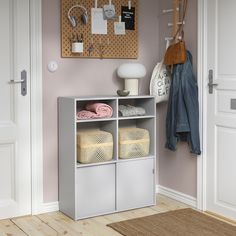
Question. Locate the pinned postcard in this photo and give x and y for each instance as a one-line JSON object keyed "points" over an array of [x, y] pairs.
{"points": [[119, 27], [99, 25]]}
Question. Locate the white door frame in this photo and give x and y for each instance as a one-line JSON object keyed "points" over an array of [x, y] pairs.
{"points": [[38, 205], [37, 112], [36, 105], [203, 90]]}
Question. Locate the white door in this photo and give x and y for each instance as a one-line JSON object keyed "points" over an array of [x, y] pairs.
{"points": [[221, 108], [15, 166]]}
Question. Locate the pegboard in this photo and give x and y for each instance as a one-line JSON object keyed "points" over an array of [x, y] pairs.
{"points": [[115, 46]]}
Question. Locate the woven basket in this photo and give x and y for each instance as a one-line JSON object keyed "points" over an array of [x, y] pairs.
{"points": [[94, 146], [133, 142]]}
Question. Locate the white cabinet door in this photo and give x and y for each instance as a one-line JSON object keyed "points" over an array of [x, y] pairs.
{"points": [[135, 184], [95, 190]]}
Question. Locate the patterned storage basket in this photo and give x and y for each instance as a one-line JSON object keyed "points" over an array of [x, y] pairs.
{"points": [[133, 142], [94, 146]]}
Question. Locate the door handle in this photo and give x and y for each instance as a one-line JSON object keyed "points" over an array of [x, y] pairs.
{"points": [[12, 81], [22, 81], [211, 84]]}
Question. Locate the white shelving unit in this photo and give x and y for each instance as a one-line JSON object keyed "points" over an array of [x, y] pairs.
{"points": [[87, 190]]}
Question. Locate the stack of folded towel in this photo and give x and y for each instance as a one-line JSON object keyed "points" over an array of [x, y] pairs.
{"points": [[94, 111], [128, 110]]}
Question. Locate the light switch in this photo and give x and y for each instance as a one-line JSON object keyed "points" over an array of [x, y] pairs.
{"points": [[52, 66]]}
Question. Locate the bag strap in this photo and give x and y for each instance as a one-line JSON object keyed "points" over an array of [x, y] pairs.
{"points": [[167, 43], [182, 25]]}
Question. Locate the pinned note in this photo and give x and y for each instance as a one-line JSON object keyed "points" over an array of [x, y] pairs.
{"points": [[99, 25], [119, 27]]}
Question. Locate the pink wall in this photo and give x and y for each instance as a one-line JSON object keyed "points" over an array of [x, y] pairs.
{"points": [[83, 77], [177, 170]]}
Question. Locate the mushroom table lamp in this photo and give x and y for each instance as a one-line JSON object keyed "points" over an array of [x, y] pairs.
{"points": [[131, 73]]}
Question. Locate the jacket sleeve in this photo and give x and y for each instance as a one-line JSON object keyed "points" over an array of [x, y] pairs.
{"points": [[182, 122], [190, 96], [171, 139]]}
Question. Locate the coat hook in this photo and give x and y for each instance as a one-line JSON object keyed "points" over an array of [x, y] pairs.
{"points": [[179, 23], [170, 10]]}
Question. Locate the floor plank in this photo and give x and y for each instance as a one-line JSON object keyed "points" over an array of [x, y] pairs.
{"points": [[166, 204], [127, 215], [103, 221], [8, 228], [33, 226], [63, 224], [96, 228], [66, 226]]}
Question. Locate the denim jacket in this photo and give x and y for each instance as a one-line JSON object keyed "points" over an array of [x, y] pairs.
{"points": [[182, 121]]}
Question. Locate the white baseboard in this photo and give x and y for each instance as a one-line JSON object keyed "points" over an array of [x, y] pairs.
{"points": [[49, 207], [178, 196]]}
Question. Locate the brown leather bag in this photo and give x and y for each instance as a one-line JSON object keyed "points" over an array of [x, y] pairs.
{"points": [[176, 53]]}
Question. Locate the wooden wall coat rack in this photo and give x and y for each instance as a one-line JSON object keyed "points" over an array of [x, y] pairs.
{"points": [[98, 46], [176, 7], [177, 18]]}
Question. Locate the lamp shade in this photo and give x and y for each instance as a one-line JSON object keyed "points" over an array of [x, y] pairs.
{"points": [[131, 71]]}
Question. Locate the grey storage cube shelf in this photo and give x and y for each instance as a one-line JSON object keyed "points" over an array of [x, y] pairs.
{"points": [[88, 190]]}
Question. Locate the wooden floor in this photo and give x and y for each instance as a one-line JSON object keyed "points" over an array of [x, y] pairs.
{"points": [[58, 224]]}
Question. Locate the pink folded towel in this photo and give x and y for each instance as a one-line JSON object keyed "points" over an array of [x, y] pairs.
{"points": [[84, 115], [95, 110], [101, 109]]}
